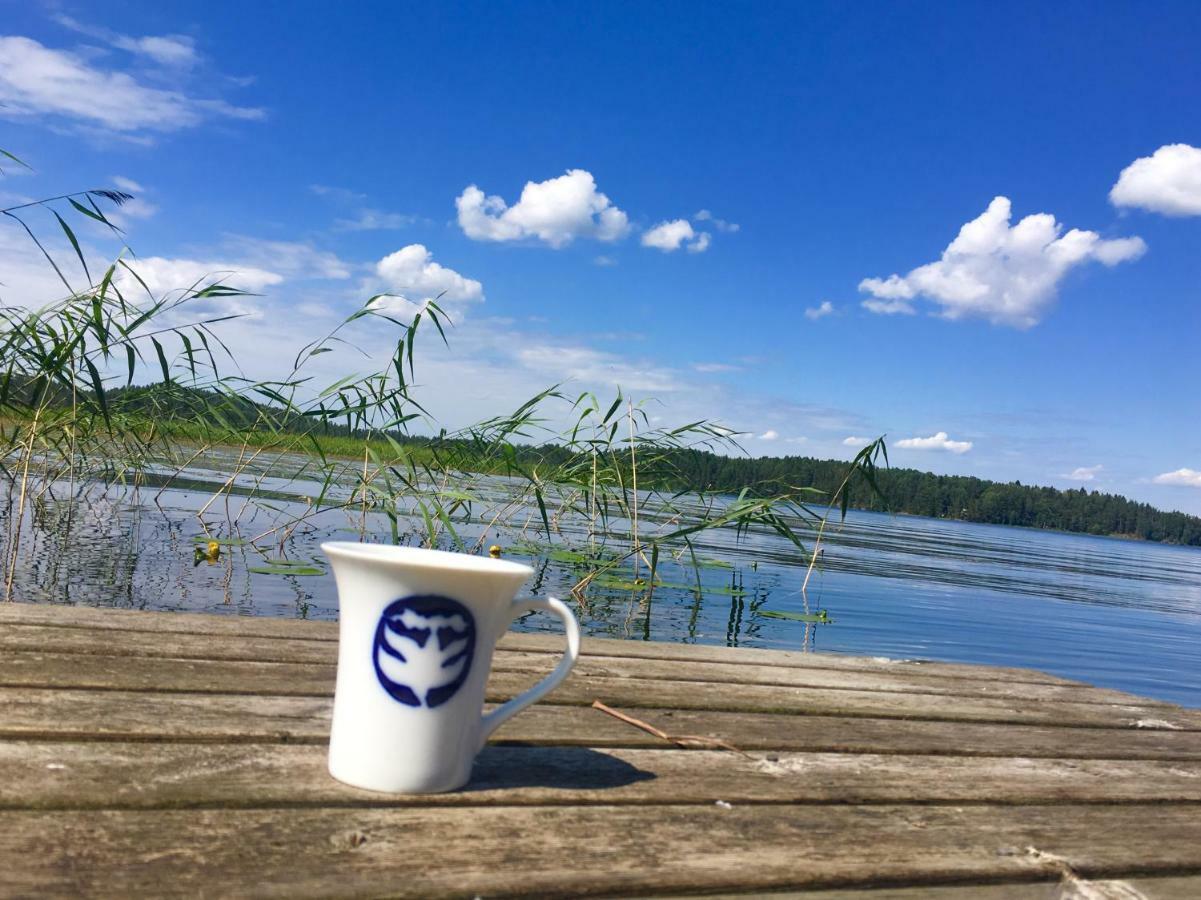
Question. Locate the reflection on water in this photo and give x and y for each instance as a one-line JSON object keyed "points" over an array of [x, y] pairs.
{"points": [[1113, 612]]}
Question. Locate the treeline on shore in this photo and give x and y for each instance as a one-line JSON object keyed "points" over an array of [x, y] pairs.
{"points": [[950, 496], [907, 491], [920, 493]]}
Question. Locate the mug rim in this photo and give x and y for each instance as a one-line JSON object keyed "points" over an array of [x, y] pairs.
{"points": [[444, 560]]}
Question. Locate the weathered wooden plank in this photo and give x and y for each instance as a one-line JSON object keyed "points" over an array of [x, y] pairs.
{"points": [[101, 775], [125, 715], [509, 851], [292, 630], [173, 622], [116, 664], [897, 680], [157, 674], [1163, 888]]}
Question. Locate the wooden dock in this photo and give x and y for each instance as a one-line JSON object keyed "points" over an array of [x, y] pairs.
{"points": [[159, 754]]}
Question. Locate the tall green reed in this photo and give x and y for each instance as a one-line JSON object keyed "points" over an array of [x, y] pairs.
{"points": [[113, 381]]}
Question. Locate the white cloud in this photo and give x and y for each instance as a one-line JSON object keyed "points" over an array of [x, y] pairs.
{"points": [[137, 208], [1185, 477], [293, 259], [770, 435], [589, 366], [36, 81], [720, 224], [342, 195], [938, 441], [670, 236], [889, 307], [1083, 473], [854, 441], [604, 261], [166, 50], [716, 367], [1168, 181], [555, 211], [163, 276], [817, 312], [26, 280], [127, 184], [412, 273], [1008, 275], [360, 217], [376, 220]]}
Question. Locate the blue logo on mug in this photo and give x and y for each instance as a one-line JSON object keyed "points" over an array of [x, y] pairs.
{"points": [[423, 649]]}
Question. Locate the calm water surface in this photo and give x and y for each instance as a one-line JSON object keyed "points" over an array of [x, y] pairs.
{"points": [[1117, 613]]}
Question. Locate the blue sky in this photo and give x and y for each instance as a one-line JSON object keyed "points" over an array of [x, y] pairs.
{"points": [[718, 199]]}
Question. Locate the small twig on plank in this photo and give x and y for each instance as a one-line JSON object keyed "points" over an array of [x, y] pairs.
{"points": [[686, 741], [1077, 888]]}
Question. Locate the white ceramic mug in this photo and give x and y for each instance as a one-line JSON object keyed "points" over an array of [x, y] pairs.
{"points": [[416, 633]]}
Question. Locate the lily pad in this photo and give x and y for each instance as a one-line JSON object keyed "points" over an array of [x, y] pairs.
{"points": [[285, 570], [708, 563], [623, 584], [821, 617]]}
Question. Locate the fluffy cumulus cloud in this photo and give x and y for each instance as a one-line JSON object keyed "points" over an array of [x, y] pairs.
{"points": [[938, 441], [855, 441], [1008, 274], [1168, 181], [1083, 473], [1183, 477], [826, 308], [41, 82], [412, 274], [770, 435], [556, 211], [671, 236]]}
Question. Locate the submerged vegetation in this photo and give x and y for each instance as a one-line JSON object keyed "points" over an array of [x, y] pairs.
{"points": [[117, 385]]}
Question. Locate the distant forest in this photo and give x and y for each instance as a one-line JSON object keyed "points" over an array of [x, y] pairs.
{"points": [[905, 490], [947, 496]]}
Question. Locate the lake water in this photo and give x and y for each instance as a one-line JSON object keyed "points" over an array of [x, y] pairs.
{"points": [[1116, 613]]}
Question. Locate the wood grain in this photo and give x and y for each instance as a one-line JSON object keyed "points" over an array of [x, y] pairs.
{"points": [[54, 665], [292, 630], [602, 850], [179, 755], [129, 715], [91, 775]]}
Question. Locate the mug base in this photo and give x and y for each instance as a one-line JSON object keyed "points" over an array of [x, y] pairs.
{"points": [[398, 785]]}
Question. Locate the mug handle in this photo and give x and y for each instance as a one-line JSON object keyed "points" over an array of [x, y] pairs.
{"points": [[493, 720]]}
